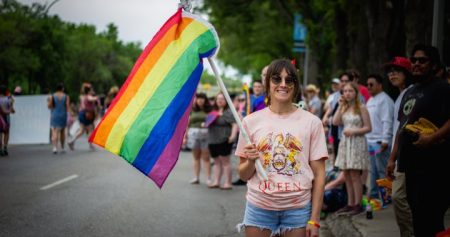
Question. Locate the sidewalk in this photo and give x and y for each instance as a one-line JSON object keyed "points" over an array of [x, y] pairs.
{"points": [[383, 224]]}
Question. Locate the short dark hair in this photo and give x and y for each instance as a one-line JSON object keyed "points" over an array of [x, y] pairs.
{"points": [[87, 89], [257, 81], [431, 52], [377, 77], [355, 75], [350, 76], [60, 87]]}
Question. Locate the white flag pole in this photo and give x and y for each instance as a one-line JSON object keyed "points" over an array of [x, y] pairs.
{"points": [[260, 170]]}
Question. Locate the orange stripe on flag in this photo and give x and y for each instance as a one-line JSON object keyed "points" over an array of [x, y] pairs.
{"points": [[135, 83]]}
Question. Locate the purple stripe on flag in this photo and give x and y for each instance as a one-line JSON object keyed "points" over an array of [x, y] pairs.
{"points": [[169, 156]]}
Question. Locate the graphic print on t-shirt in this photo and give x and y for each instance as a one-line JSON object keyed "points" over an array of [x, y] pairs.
{"points": [[408, 107], [279, 152]]}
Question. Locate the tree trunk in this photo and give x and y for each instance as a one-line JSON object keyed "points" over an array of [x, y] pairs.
{"points": [[418, 23], [342, 47], [358, 37], [378, 23]]}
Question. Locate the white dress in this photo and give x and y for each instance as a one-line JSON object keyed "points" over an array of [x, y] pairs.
{"points": [[353, 152]]}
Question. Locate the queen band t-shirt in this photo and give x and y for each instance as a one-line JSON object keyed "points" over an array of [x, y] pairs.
{"points": [[286, 144]]}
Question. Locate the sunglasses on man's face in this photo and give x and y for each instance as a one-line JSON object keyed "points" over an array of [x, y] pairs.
{"points": [[420, 60], [289, 80]]}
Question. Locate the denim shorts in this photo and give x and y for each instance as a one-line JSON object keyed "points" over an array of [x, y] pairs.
{"points": [[276, 221]]}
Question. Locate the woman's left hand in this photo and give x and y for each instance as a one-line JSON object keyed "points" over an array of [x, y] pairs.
{"points": [[312, 231]]}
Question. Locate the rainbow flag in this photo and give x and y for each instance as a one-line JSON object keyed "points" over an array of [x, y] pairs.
{"points": [[145, 123]]}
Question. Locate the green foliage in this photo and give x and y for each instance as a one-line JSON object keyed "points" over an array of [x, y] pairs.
{"points": [[252, 33], [38, 51], [232, 85]]}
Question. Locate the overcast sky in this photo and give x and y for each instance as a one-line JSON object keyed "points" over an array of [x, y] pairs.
{"points": [[137, 20]]}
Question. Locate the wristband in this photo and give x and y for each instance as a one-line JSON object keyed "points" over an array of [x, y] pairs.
{"points": [[314, 223]]}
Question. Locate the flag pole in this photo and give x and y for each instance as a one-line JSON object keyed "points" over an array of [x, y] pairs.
{"points": [[259, 168]]}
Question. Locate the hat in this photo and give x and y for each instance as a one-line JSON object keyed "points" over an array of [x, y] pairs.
{"points": [[336, 80], [400, 62], [311, 87]]}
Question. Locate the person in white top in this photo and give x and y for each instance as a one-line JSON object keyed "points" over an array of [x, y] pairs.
{"points": [[381, 111], [399, 73]]}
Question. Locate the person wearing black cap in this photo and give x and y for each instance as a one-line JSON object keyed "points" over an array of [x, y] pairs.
{"points": [[424, 156], [399, 74]]}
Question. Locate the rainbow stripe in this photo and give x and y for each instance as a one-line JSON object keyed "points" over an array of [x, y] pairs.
{"points": [[145, 123]]}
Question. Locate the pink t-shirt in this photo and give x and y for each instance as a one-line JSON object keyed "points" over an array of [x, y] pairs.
{"points": [[286, 144]]}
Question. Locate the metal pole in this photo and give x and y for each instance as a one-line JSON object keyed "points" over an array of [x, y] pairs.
{"points": [[305, 67], [438, 25]]}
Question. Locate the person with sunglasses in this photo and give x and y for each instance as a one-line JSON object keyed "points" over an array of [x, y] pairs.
{"points": [[379, 140], [398, 71], [424, 156], [290, 143]]}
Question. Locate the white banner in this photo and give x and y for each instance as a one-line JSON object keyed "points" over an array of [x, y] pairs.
{"points": [[31, 122]]}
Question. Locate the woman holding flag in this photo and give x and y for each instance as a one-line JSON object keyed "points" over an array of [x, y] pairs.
{"points": [[291, 145]]}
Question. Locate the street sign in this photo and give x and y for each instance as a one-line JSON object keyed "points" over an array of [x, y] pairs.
{"points": [[299, 34]]}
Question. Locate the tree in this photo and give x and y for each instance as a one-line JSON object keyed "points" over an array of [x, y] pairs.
{"points": [[37, 51], [342, 34]]}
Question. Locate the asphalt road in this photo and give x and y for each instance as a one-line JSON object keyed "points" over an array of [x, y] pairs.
{"points": [[99, 194], [95, 193]]}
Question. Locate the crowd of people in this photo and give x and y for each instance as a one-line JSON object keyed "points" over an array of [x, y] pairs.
{"points": [[366, 132], [325, 156]]}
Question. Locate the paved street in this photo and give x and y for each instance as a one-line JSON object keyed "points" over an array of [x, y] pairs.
{"points": [[104, 196], [85, 193]]}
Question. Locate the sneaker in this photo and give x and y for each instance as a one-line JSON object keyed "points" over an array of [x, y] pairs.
{"points": [[239, 182], [344, 210], [356, 210], [71, 145], [194, 181], [91, 147], [55, 150]]}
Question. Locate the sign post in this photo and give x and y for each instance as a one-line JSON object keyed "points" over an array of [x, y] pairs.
{"points": [[299, 36]]}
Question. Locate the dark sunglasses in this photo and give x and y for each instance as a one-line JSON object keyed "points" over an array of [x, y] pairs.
{"points": [[289, 80], [421, 60], [393, 70]]}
